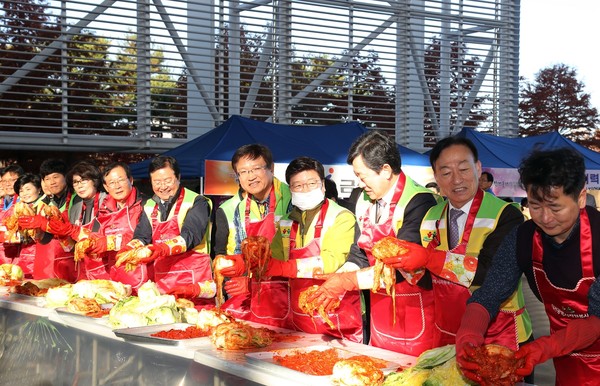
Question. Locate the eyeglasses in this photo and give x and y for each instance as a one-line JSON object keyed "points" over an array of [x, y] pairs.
{"points": [[166, 183], [9, 180], [255, 171], [311, 185], [81, 182], [115, 183]]}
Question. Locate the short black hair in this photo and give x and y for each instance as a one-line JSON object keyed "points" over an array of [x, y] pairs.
{"points": [[302, 164], [376, 150], [26, 178], [252, 151], [543, 170], [331, 191], [163, 161], [107, 169], [53, 165], [450, 141], [489, 176], [14, 168]]}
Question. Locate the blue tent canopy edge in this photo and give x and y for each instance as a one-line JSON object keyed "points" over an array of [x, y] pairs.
{"points": [[328, 144]]}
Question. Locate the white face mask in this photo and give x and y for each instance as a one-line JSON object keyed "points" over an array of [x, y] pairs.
{"points": [[307, 200]]}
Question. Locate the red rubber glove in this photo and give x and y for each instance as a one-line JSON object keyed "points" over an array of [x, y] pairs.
{"points": [[418, 257], [282, 268], [237, 286], [336, 285], [206, 289], [158, 250], [473, 326], [101, 244], [33, 222], [60, 228], [188, 291], [577, 335], [237, 269]]}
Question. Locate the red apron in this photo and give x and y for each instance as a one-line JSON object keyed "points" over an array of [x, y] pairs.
{"points": [[26, 258], [8, 251], [269, 300], [178, 269], [413, 331], [347, 318], [55, 259], [121, 222], [451, 298], [563, 305]]}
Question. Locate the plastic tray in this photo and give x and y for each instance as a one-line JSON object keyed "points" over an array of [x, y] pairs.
{"points": [[144, 335]]}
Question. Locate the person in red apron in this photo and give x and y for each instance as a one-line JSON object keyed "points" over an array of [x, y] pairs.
{"points": [[54, 255], [460, 261], [30, 193], [174, 226], [9, 175], [262, 201], [81, 217], [392, 205], [107, 220], [315, 238], [559, 253]]}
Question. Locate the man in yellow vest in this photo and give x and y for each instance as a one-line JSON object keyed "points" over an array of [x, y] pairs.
{"points": [[392, 204], [459, 237]]}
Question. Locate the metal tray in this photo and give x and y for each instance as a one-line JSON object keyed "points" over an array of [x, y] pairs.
{"points": [[144, 335], [265, 360]]}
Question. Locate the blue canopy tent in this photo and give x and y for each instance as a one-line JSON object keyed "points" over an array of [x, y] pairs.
{"points": [[501, 152], [328, 144]]}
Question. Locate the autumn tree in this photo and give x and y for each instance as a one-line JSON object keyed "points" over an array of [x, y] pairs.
{"points": [[555, 101], [26, 29]]}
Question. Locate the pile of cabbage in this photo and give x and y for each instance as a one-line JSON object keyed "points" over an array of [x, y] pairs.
{"points": [[435, 367], [148, 308], [103, 291]]}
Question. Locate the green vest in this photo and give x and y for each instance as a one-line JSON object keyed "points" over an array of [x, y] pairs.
{"points": [[235, 209], [485, 223], [285, 226], [411, 189]]}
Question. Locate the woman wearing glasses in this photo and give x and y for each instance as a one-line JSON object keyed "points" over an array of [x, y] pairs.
{"points": [[81, 214]]}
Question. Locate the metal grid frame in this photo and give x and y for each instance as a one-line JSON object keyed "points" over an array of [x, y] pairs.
{"points": [[420, 69]]}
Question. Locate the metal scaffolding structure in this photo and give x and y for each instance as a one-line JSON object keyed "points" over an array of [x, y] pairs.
{"points": [[417, 68]]}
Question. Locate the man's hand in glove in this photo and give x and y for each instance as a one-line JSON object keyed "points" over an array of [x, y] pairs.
{"points": [[336, 285], [205, 289], [60, 228], [237, 286], [418, 257], [470, 335], [33, 222], [168, 247], [577, 335], [101, 244], [237, 269]]}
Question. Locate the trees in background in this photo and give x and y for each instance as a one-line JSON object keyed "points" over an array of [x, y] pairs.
{"points": [[556, 101]]}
